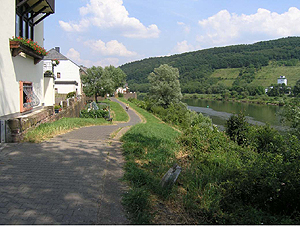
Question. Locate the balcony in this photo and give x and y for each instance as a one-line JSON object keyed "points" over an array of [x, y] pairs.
{"points": [[18, 47], [35, 8]]}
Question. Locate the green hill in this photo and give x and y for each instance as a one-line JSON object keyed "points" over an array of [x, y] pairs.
{"points": [[266, 76], [213, 70]]}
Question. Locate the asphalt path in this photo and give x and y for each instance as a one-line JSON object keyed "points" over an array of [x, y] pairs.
{"points": [[72, 179]]}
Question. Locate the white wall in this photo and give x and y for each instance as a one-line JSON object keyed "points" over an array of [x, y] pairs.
{"points": [[65, 88], [9, 101], [282, 81], [49, 95], [68, 72], [15, 69]]}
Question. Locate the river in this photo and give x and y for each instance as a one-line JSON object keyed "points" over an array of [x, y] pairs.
{"points": [[220, 111]]}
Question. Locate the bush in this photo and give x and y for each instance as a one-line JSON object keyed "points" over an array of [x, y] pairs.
{"points": [[237, 128], [120, 95], [93, 114], [71, 94]]}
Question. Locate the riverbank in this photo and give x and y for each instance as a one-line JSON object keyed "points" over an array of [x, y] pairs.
{"points": [[263, 100], [221, 181]]}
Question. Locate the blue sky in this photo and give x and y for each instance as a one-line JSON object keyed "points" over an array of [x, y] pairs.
{"points": [[114, 32]]}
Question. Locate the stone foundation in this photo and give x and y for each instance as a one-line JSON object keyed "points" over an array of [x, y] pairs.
{"points": [[17, 127]]}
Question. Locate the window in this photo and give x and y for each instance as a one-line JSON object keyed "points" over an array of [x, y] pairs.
{"points": [[28, 99], [58, 75], [24, 24]]}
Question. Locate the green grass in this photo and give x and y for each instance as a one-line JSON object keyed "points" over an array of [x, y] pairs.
{"points": [[120, 114], [265, 77], [227, 75], [149, 149], [49, 130]]}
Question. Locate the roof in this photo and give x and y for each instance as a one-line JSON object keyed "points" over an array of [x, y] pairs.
{"points": [[54, 54]]}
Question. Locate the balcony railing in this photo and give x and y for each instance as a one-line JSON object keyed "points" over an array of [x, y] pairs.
{"points": [[35, 8]]}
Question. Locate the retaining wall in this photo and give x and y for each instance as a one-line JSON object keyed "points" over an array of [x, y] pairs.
{"points": [[17, 127]]}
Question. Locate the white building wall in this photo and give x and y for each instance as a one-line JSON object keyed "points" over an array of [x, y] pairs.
{"points": [[49, 95], [15, 69], [282, 81], [65, 88], [68, 72], [9, 101]]}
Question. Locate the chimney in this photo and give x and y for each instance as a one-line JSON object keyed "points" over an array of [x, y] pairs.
{"points": [[57, 49]]}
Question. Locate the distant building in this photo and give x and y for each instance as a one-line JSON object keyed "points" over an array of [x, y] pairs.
{"points": [[66, 73], [122, 90], [282, 80]]}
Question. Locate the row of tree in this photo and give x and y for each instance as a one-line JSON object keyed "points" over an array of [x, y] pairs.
{"points": [[100, 81]]}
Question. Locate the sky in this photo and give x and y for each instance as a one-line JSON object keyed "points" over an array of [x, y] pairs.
{"points": [[115, 32]]}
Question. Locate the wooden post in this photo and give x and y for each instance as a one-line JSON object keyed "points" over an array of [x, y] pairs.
{"points": [[171, 176], [2, 131]]}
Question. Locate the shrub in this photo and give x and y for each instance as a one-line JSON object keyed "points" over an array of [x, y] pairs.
{"points": [[71, 94], [93, 114], [120, 95], [237, 128]]}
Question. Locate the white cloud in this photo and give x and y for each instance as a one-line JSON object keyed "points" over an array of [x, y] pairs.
{"points": [[185, 27], [182, 47], [74, 55], [110, 48], [227, 28], [107, 62], [111, 14]]}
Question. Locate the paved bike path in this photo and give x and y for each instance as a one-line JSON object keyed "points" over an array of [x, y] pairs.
{"points": [[71, 179]]}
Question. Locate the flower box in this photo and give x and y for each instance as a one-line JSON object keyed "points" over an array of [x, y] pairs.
{"points": [[18, 47]]}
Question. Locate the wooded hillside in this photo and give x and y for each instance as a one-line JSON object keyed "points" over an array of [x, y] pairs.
{"points": [[197, 69]]}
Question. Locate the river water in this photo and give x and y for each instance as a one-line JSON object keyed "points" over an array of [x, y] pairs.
{"points": [[220, 111]]}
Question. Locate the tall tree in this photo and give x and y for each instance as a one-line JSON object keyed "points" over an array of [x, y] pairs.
{"points": [[99, 81], [117, 75], [92, 81], [164, 85]]}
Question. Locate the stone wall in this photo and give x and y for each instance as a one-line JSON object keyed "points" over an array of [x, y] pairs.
{"points": [[17, 127], [128, 95]]}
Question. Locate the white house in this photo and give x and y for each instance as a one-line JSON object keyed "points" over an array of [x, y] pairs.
{"points": [[21, 73], [66, 73], [282, 80], [122, 90]]}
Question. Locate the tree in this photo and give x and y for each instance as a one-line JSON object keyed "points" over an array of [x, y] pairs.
{"points": [[237, 128], [99, 81], [92, 81], [117, 75], [164, 86], [296, 89], [291, 115]]}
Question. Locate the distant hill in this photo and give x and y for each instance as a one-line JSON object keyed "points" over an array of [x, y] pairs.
{"points": [[239, 65]]}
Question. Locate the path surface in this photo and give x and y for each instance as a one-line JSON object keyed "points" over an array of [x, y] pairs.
{"points": [[71, 179]]}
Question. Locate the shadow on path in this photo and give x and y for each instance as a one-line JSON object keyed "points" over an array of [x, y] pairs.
{"points": [[68, 180]]}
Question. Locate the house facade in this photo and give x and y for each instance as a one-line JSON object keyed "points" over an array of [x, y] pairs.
{"points": [[66, 73], [282, 80], [21, 72]]}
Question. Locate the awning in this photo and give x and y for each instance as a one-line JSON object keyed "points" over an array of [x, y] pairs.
{"points": [[66, 83], [35, 8]]}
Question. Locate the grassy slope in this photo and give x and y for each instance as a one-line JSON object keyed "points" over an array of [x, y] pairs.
{"points": [[150, 150], [118, 112], [265, 77]]}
